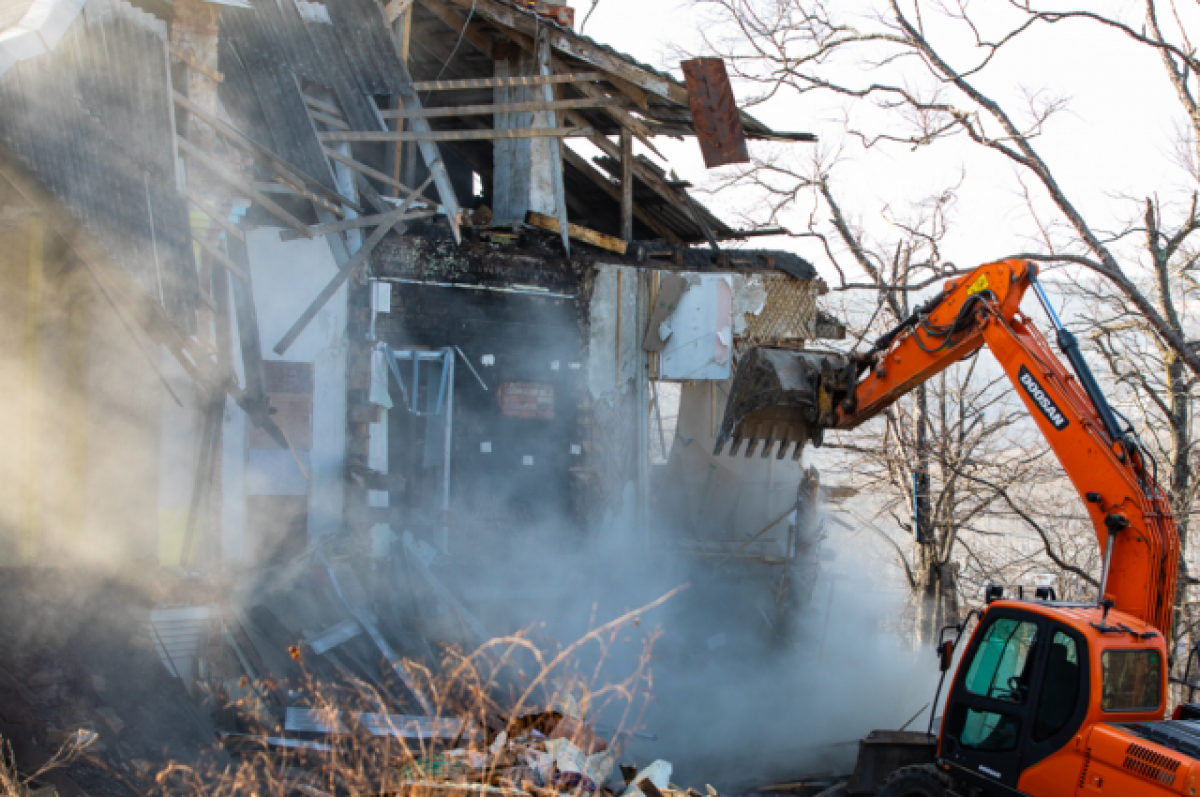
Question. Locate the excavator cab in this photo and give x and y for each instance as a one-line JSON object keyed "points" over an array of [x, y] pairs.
{"points": [[1048, 696]]}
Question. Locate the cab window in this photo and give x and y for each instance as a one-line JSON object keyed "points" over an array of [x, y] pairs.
{"points": [[1060, 688], [1003, 661], [1132, 679]]}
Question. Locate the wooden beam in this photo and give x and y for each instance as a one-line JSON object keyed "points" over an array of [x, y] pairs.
{"points": [[345, 272], [641, 214], [579, 48], [599, 239], [395, 8], [353, 224], [229, 178], [332, 121], [507, 82], [512, 107], [220, 220], [375, 174], [329, 200], [471, 33], [323, 106], [219, 256], [187, 59], [455, 135], [626, 184], [640, 170], [622, 117], [430, 153]]}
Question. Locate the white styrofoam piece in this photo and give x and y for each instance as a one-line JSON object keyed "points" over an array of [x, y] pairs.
{"points": [[699, 344]]}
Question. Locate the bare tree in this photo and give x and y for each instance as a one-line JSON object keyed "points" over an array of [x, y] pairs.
{"points": [[930, 461], [889, 59], [1151, 385]]}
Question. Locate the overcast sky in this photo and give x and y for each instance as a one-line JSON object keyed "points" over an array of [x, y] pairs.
{"points": [[1115, 138]]}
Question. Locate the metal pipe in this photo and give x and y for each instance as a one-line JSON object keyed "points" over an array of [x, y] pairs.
{"points": [[1108, 554], [1070, 348], [448, 363]]}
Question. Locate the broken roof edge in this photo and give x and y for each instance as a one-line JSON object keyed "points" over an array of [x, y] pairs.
{"points": [[755, 129], [38, 31]]}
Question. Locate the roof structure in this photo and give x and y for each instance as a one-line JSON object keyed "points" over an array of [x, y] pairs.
{"points": [[310, 89]]}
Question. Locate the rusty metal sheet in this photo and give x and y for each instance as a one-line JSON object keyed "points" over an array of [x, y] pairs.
{"points": [[526, 400], [715, 112]]}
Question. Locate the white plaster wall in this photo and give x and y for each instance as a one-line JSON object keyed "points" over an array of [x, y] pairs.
{"points": [[178, 431], [287, 276]]}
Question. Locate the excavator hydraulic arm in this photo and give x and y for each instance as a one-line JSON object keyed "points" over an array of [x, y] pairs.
{"points": [[1100, 454]]}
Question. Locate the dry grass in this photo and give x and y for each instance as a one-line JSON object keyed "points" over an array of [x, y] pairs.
{"points": [[493, 690]]}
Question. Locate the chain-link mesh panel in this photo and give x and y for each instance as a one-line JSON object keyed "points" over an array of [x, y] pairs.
{"points": [[789, 314]]}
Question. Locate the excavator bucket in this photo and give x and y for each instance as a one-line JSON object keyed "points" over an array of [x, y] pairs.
{"points": [[782, 396]]}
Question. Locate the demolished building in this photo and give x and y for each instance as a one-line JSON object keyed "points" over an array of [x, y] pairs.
{"points": [[286, 278]]}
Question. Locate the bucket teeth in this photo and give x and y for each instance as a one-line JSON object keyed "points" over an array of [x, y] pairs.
{"points": [[782, 397]]}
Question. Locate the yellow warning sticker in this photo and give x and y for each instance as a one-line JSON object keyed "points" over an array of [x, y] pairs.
{"points": [[978, 285]]}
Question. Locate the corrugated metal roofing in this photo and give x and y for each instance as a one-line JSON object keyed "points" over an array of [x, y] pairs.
{"points": [[93, 119]]}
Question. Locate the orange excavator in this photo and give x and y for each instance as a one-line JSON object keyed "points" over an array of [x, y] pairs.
{"points": [[1049, 698]]}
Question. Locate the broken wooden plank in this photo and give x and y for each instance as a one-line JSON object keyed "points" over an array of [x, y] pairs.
{"points": [[219, 256], [329, 119], [577, 47], [219, 170], [187, 59], [374, 174], [430, 153], [224, 223], [598, 239], [321, 105], [353, 224], [345, 272], [641, 214], [487, 134], [512, 107], [395, 8], [626, 183], [507, 82], [330, 200]]}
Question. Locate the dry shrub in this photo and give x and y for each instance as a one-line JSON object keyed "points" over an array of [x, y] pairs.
{"points": [[492, 690]]}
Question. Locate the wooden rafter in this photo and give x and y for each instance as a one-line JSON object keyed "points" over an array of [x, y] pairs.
{"points": [[511, 107], [507, 82], [487, 134], [222, 172], [578, 48], [581, 164], [287, 173]]}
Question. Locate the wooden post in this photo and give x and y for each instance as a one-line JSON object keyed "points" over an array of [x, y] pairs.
{"points": [[626, 183], [31, 411], [402, 30]]}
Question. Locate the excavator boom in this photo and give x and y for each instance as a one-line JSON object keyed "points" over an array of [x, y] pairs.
{"points": [[1102, 460], [1050, 699], [775, 397]]}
